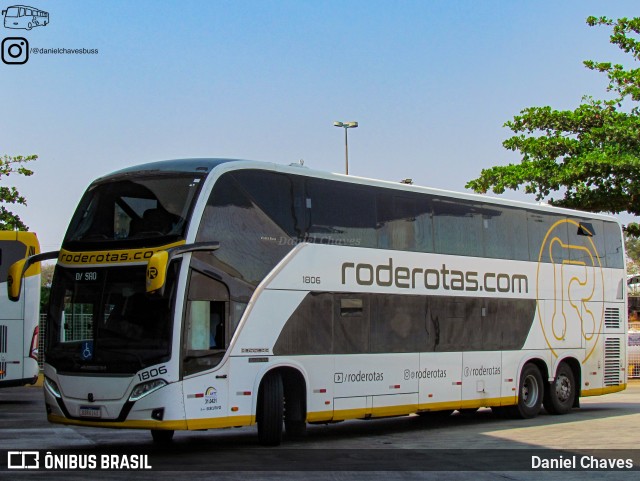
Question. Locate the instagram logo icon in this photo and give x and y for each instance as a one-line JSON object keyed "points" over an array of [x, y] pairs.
{"points": [[15, 50]]}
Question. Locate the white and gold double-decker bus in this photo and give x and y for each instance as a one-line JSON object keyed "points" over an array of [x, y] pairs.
{"points": [[208, 293]]}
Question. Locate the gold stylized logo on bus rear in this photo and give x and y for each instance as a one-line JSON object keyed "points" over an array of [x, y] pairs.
{"points": [[570, 290]]}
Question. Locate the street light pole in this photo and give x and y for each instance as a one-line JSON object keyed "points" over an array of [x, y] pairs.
{"points": [[345, 126]]}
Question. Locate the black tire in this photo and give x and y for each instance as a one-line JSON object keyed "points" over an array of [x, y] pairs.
{"points": [[161, 436], [295, 407], [530, 394], [561, 393], [271, 406]]}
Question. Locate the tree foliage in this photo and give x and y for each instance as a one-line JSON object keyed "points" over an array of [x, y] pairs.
{"points": [[632, 248], [46, 278], [587, 158], [10, 195]]}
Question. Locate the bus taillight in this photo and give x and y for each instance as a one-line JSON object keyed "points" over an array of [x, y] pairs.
{"points": [[33, 352]]}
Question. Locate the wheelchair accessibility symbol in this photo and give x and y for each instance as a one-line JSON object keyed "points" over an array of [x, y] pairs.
{"points": [[86, 351]]}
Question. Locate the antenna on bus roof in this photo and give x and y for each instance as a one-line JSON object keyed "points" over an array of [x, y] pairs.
{"points": [[300, 163], [407, 181]]}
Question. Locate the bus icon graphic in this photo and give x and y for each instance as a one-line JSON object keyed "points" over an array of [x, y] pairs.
{"points": [[21, 16]]}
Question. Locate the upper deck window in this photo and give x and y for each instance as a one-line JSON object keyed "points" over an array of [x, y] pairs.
{"points": [[135, 209]]}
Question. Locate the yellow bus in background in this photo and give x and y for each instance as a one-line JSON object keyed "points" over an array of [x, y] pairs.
{"points": [[19, 320]]}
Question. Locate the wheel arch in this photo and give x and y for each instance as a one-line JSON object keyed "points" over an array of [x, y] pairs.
{"points": [[294, 380], [539, 363]]}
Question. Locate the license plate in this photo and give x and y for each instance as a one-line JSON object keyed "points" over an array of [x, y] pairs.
{"points": [[90, 412]]}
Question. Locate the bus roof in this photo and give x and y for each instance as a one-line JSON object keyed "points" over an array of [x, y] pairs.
{"points": [[200, 165], [207, 165], [25, 6], [20, 236]]}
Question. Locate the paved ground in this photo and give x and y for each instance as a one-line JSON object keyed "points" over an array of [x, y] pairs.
{"points": [[398, 448]]}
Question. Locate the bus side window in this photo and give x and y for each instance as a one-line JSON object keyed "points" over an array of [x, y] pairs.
{"points": [[613, 245]]}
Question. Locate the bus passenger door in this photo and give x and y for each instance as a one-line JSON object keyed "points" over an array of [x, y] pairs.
{"points": [[204, 344]]}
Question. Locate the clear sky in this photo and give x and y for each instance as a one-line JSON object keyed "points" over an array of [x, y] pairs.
{"points": [[430, 82]]}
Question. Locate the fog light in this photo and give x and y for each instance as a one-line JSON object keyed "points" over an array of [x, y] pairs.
{"points": [[141, 390]]}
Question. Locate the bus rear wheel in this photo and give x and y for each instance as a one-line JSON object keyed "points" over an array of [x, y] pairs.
{"points": [[561, 393], [271, 410], [530, 394]]}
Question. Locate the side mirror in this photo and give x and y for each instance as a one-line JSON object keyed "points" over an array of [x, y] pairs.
{"points": [[18, 269], [159, 262], [14, 279], [157, 271]]}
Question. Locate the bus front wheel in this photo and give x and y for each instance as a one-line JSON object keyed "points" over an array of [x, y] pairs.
{"points": [[530, 393], [561, 393], [271, 410]]}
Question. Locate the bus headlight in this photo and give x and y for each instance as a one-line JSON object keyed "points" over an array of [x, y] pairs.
{"points": [[52, 387], [141, 390]]}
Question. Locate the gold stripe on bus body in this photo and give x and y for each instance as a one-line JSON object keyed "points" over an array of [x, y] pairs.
{"points": [[340, 415], [132, 424], [602, 390], [183, 425], [404, 410], [125, 256]]}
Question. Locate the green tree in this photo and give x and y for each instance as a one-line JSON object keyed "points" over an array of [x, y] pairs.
{"points": [[10, 195], [46, 277], [589, 158]]}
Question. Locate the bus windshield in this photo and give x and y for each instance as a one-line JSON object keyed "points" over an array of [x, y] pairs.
{"points": [[133, 209], [12, 12], [100, 319]]}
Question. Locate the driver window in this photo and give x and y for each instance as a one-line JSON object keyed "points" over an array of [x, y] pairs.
{"points": [[206, 320]]}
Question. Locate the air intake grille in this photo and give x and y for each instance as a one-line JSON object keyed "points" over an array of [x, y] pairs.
{"points": [[612, 317], [612, 365]]}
